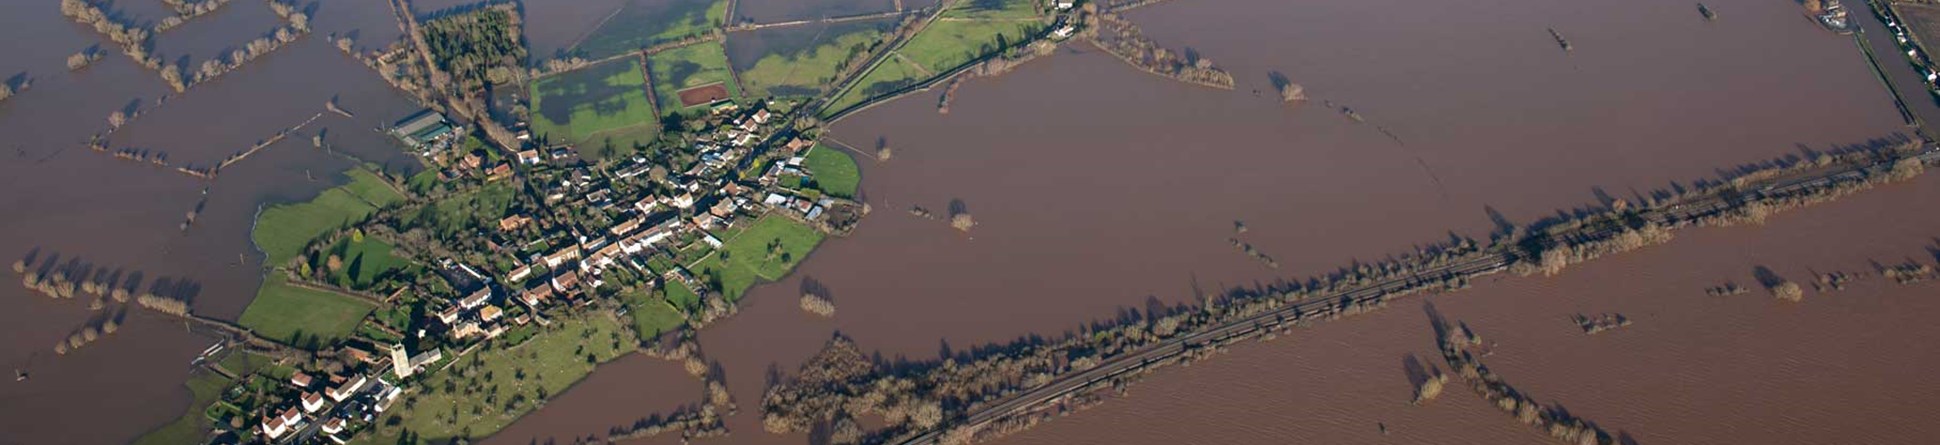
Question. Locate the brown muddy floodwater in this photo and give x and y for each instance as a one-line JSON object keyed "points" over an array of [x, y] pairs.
{"points": [[774, 11], [1847, 366], [1097, 187], [64, 199]]}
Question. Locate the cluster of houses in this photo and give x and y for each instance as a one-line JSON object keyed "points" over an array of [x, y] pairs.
{"points": [[330, 408], [648, 213], [1911, 44]]}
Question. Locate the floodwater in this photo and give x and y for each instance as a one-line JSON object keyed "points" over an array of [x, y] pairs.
{"points": [[1096, 187], [618, 393], [1839, 367], [65, 199], [774, 11]]}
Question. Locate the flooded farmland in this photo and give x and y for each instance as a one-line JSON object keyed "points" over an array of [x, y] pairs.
{"points": [[1692, 368], [1098, 188]]}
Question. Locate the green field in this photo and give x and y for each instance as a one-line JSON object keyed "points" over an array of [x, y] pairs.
{"points": [[652, 315], [687, 67], [364, 260], [892, 74], [804, 71], [682, 297], [644, 23], [946, 44], [466, 213], [766, 251], [283, 230], [283, 312], [205, 388], [834, 171], [601, 105], [487, 390], [994, 10], [366, 185]]}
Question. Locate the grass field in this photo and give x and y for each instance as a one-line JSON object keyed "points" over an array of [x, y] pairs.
{"points": [[283, 312], [282, 230], [644, 23], [802, 71], [477, 210], [492, 387], [364, 260], [602, 105], [994, 10], [205, 388], [890, 75], [946, 44], [366, 185], [682, 297], [652, 315], [835, 172], [766, 251], [687, 67]]}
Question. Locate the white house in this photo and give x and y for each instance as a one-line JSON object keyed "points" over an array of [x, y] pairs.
{"points": [[312, 402]]}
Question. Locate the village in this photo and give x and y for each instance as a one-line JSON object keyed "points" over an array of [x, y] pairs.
{"points": [[611, 233]]}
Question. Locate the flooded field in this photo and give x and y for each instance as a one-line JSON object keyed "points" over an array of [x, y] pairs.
{"points": [[1691, 369], [618, 393], [774, 11], [798, 60], [1096, 188]]}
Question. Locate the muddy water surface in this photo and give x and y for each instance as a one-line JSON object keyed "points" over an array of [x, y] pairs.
{"points": [[1840, 367]]}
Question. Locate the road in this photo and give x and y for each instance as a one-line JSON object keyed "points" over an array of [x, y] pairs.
{"points": [[1490, 261]]}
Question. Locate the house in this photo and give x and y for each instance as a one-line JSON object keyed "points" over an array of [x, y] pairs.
{"points": [[1064, 32], [449, 315], [348, 388], [562, 256], [502, 171], [530, 157], [711, 240], [471, 161], [466, 330], [565, 283], [1065, 4], [301, 380], [514, 222], [761, 117], [476, 299], [537, 296], [490, 313], [684, 201], [312, 402], [274, 427], [519, 274], [646, 204], [797, 145], [626, 227], [334, 426]]}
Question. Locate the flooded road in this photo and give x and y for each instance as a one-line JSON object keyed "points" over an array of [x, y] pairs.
{"points": [[1096, 188], [1691, 369]]}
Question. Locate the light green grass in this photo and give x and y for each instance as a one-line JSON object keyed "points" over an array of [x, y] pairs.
{"points": [[205, 388], [750, 258], [890, 75], [835, 172], [599, 106], [366, 185], [653, 316], [687, 67], [283, 312], [808, 70], [363, 261], [283, 230], [551, 361], [682, 297], [944, 45], [993, 10]]}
